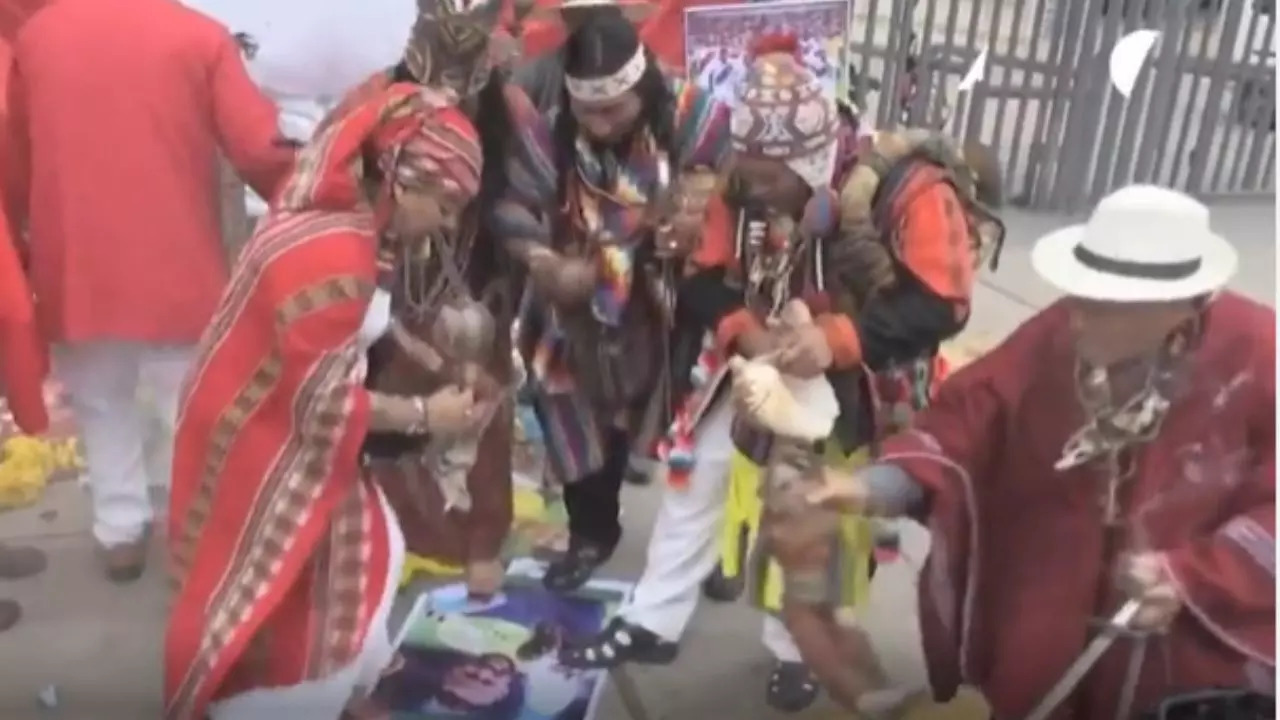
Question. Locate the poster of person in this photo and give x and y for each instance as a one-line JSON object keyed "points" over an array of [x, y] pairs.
{"points": [[496, 660], [718, 38]]}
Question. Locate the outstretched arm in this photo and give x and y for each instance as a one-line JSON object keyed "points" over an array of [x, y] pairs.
{"points": [[247, 123]]}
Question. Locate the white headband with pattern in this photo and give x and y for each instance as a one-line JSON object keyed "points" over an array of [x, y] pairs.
{"points": [[610, 87]]}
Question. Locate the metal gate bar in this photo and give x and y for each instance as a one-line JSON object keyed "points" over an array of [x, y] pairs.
{"points": [[1200, 117]]}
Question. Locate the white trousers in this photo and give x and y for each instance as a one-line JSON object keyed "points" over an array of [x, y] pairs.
{"points": [[327, 697], [685, 545], [127, 451]]}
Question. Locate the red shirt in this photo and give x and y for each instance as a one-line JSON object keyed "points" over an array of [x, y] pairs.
{"points": [[117, 111]]}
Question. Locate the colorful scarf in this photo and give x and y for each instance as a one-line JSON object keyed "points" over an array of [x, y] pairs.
{"points": [[610, 201]]}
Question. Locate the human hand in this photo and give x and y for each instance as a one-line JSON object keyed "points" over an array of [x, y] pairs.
{"points": [[542, 263], [566, 281], [1143, 577], [805, 352], [840, 490], [486, 387], [756, 342], [484, 578], [575, 280], [451, 410]]}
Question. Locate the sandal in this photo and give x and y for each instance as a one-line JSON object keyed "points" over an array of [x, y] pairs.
{"points": [[575, 567], [721, 589], [792, 688], [620, 642]]}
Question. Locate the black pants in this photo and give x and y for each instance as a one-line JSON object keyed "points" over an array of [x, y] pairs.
{"points": [[593, 501]]}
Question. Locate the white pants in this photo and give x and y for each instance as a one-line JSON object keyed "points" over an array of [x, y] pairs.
{"points": [[326, 698], [685, 545], [125, 449]]}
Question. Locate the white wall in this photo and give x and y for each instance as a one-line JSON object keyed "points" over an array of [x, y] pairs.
{"points": [[316, 48]]}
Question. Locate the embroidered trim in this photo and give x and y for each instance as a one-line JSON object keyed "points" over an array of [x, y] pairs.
{"points": [[1254, 540], [610, 87]]}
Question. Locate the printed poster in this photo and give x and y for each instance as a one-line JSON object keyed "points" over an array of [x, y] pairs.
{"points": [[463, 660], [717, 38]]}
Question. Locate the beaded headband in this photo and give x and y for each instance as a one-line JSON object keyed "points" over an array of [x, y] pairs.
{"points": [[610, 87]]}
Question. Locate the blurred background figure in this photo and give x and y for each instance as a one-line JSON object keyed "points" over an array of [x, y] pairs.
{"points": [[304, 61], [119, 205], [23, 364]]}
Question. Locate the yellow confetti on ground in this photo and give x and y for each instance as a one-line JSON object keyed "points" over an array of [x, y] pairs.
{"points": [[27, 464]]}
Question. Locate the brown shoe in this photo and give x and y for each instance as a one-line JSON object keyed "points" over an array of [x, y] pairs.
{"points": [[125, 562], [21, 561], [10, 614]]}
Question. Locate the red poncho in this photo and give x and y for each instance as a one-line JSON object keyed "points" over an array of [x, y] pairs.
{"points": [[1020, 565]]}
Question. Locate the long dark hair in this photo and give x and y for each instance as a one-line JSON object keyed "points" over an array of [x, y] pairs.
{"points": [[599, 48]]}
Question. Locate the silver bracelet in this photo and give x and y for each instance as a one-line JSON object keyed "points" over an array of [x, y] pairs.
{"points": [[419, 426]]}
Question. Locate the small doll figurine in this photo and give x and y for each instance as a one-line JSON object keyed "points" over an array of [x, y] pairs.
{"points": [[805, 541]]}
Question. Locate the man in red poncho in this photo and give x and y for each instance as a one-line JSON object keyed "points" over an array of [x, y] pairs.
{"points": [[117, 110], [1119, 446]]}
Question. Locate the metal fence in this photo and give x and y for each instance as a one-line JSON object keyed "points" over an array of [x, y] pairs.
{"points": [[1201, 117]]}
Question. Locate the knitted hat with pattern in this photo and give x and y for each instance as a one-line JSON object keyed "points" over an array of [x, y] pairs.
{"points": [[783, 113]]}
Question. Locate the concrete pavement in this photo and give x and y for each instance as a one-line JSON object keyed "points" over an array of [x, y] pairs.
{"points": [[99, 644]]}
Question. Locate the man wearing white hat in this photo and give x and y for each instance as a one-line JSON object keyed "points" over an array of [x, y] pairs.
{"points": [[1116, 451]]}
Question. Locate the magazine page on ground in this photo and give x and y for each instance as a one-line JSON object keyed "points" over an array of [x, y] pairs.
{"points": [[496, 660], [29, 463]]}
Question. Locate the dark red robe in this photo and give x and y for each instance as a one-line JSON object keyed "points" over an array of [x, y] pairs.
{"points": [[1020, 562]]}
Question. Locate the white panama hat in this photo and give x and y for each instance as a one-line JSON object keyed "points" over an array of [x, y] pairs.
{"points": [[1142, 243]]}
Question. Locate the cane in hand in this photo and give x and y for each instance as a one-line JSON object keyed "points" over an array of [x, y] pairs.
{"points": [[1070, 680]]}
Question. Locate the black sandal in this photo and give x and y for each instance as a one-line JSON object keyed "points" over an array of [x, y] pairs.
{"points": [[575, 567], [620, 642], [792, 688]]}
